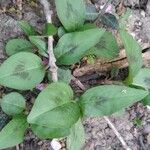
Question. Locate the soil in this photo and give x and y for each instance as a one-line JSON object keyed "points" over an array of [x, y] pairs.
{"points": [[99, 136]]}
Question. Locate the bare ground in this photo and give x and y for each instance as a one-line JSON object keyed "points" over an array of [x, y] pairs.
{"points": [[99, 136]]}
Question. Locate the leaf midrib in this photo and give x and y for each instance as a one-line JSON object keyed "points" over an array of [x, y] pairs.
{"points": [[39, 67], [11, 133], [50, 110]]}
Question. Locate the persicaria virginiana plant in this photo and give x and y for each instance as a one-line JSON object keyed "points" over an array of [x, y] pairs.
{"points": [[57, 112]]}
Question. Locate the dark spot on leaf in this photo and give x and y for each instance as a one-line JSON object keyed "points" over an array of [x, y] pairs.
{"points": [[147, 81], [110, 21], [101, 44], [20, 71], [98, 101], [72, 50], [58, 99]]}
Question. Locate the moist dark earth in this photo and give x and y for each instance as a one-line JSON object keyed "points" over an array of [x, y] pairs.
{"points": [[133, 124]]}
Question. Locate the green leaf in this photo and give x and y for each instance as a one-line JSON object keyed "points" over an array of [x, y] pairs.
{"points": [[71, 13], [17, 45], [61, 32], [134, 54], [107, 48], [76, 139], [123, 19], [109, 20], [90, 59], [22, 71], [87, 26], [49, 29], [13, 104], [13, 133], [73, 46], [108, 99], [54, 108], [40, 44], [49, 133], [27, 28], [146, 100], [142, 78], [91, 12], [66, 115], [137, 121], [64, 75]]}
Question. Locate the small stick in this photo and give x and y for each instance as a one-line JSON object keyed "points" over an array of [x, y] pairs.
{"points": [[17, 147], [52, 59], [117, 133], [19, 4], [78, 82]]}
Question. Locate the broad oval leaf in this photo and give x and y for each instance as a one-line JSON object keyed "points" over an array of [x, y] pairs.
{"points": [[142, 78], [40, 44], [17, 45], [22, 71], [108, 99], [73, 46], [13, 104], [76, 139], [13, 133], [134, 54], [49, 133], [54, 108], [107, 48], [109, 20], [73, 15], [27, 28]]}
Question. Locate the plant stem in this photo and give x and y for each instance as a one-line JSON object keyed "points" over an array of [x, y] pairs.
{"points": [[52, 59]]}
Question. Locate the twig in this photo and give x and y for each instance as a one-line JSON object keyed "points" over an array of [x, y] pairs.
{"points": [[78, 82], [19, 3], [104, 66], [107, 120], [52, 59], [117, 133], [17, 147]]}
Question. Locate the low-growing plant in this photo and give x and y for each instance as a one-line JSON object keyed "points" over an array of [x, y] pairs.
{"points": [[57, 112]]}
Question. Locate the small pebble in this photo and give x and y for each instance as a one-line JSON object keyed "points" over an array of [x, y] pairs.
{"points": [[55, 144], [146, 129], [143, 13], [148, 138]]}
